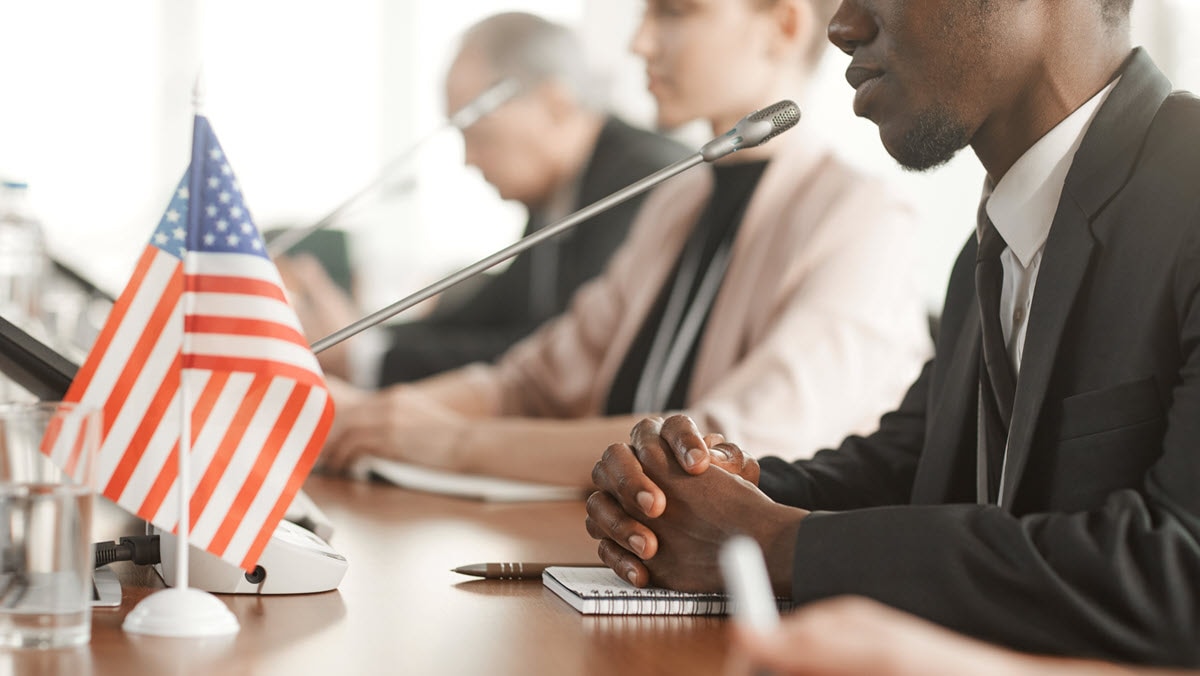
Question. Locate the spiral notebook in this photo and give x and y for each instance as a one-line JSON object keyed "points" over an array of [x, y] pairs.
{"points": [[598, 591]]}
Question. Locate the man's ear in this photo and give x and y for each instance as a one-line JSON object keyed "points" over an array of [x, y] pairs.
{"points": [[559, 101]]}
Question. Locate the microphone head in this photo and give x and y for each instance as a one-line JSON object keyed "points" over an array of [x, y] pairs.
{"points": [[753, 130]]}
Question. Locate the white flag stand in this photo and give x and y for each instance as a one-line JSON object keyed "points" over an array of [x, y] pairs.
{"points": [[182, 611]]}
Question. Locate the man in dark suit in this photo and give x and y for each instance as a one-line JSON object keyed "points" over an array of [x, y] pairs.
{"points": [[553, 150], [1038, 485]]}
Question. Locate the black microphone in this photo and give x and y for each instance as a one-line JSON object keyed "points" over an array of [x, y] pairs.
{"points": [[476, 109], [753, 130]]}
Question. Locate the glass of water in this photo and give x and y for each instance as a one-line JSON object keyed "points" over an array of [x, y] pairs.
{"points": [[46, 454]]}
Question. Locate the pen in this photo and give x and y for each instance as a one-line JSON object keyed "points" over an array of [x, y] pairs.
{"points": [[513, 571], [748, 584]]}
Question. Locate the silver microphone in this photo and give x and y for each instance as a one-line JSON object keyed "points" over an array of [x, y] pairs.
{"points": [[476, 109], [754, 129]]}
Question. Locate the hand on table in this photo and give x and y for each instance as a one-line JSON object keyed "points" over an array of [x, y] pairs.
{"points": [[398, 423], [849, 635], [321, 306], [663, 525]]}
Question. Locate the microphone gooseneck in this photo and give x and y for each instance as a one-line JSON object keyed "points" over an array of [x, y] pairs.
{"points": [[752, 130], [492, 98]]}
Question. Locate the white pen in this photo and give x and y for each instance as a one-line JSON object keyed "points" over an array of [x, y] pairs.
{"points": [[748, 584]]}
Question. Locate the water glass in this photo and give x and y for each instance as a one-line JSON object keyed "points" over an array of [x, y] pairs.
{"points": [[46, 454]]}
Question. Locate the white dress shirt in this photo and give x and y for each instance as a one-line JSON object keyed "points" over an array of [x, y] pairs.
{"points": [[1022, 207]]}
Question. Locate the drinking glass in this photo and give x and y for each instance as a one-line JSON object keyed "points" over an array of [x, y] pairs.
{"points": [[46, 454]]}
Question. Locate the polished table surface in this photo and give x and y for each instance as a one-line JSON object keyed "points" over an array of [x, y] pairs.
{"points": [[400, 609]]}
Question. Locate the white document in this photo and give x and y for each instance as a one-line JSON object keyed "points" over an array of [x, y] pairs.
{"points": [[474, 486]]}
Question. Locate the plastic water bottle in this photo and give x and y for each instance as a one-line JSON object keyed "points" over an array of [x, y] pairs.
{"points": [[23, 265], [22, 255]]}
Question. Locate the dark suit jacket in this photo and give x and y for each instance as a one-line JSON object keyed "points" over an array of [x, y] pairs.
{"points": [[1096, 547], [511, 304]]}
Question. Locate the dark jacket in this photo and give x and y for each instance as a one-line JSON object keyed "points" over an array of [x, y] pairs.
{"points": [[1095, 549], [510, 305]]}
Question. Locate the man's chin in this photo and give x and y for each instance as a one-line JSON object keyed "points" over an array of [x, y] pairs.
{"points": [[925, 146], [922, 163]]}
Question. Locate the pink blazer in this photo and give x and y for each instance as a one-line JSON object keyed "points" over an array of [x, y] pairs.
{"points": [[817, 330]]}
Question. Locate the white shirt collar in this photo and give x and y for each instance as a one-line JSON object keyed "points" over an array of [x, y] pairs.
{"points": [[1023, 203]]}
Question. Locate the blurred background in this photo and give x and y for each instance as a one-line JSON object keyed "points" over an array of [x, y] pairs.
{"points": [[310, 99]]}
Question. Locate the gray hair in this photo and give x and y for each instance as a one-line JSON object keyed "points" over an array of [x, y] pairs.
{"points": [[532, 50]]}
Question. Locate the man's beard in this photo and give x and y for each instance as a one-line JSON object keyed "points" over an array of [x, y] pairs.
{"points": [[933, 140]]}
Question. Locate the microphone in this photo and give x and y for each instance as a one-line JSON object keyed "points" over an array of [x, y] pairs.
{"points": [[476, 109], [755, 129]]}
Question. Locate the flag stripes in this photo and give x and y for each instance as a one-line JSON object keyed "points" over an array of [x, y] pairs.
{"points": [[304, 464], [204, 329]]}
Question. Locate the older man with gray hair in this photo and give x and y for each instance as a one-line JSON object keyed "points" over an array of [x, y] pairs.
{"points": [[553, 149]]}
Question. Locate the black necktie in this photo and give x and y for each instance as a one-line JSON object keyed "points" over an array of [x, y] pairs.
{"points": [[996, 375]]}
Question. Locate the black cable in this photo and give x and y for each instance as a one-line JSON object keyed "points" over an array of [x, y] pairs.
{"points": [[140, 549]]}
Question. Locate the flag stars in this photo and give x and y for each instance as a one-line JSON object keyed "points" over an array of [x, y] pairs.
{"points": [[211, 210], [214, 182], [209, 239], [172, 216], [225, 170], [222, 225], [179, 233], [182, 193], [224, 197], [232, 240], [247, 228], [256, 244], [161, 238], [215, 153], [235, 211], [237, 187]]}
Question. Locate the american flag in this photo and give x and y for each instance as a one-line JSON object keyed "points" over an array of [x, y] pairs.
{"points": [[205, 309]]}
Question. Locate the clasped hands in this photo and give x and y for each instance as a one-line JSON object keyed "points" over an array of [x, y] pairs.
{"points": [[670, 498]]}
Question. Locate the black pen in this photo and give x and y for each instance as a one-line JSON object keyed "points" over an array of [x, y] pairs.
{"points": [[513, 571]]}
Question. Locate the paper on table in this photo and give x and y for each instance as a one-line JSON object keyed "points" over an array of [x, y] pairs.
{"points": [[474, 486]]}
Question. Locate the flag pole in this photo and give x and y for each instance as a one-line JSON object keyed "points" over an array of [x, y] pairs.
{"points": [[184, 479], [181, 611]]}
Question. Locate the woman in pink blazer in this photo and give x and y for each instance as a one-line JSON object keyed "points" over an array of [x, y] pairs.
{"points": [[810, 328]]}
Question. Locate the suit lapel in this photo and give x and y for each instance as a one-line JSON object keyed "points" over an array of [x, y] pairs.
{"points": [[1064, 265], [1101, 167]]}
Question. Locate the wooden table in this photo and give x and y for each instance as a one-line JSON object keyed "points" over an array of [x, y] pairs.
{"points": [[400, 610]]}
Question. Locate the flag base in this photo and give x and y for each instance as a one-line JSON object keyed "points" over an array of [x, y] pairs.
{"points": [[181, 612]]}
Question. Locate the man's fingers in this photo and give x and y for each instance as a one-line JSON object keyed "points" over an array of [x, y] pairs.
{"points": [[685, 441], [732, 459], [619, 474], [656, 458], [607, 520], [623, 563]]}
